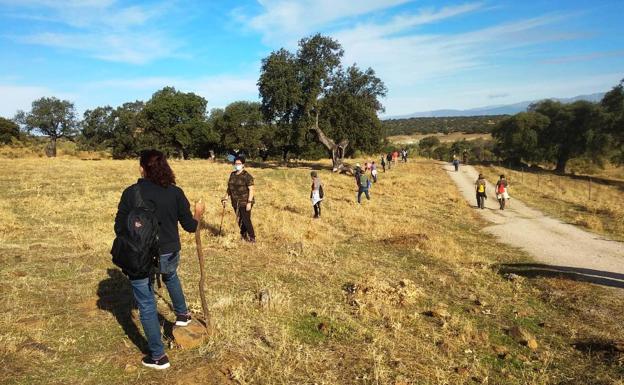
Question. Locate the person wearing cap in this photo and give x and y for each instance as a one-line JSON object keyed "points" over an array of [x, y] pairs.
{"points": [[241, 192], [357, 171], [316, 195]]}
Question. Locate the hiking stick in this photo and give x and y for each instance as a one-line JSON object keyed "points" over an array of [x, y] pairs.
{"points": [[222, 216], [202, 282]]}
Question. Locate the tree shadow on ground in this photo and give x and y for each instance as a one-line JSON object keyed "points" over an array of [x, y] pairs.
{"points": [[532, 270], [115, 295]]}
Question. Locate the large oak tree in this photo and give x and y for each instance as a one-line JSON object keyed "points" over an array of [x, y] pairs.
{"points": [[51, 117], [310, 91]]}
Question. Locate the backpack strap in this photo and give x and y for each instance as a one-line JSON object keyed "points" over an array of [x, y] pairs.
{"points": [[138, 199]]}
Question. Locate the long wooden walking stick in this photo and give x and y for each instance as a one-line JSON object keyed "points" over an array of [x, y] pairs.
{"points": [[222, 216], [202, 278]]}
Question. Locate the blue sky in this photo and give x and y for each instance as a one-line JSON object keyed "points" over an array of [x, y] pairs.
{"points": [[431, 54]]}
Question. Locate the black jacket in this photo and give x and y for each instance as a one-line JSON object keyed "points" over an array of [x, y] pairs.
{"points": [[171, 207]]}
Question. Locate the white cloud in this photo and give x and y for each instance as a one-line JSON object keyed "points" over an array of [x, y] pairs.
{"points": [[411, 62], [134, 48], [287, 19], [20, 97], [102, 29]]}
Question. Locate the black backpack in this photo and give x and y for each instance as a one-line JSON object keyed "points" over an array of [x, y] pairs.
{"points": [[135, 251]]}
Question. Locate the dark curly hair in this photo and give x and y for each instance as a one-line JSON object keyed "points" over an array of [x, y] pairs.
{"points": [[156, 168]]}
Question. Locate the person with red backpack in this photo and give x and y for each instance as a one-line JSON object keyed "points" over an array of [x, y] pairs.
{"points": [[501, 191], [147, 242]]}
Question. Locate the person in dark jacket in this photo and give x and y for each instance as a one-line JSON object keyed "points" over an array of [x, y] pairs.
{"points": [[158, 190], [241, 192]]}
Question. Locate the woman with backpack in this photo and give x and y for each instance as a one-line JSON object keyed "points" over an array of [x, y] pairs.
{"points": [[480, 185], [316, 194], [501, 191], [156, 195]]}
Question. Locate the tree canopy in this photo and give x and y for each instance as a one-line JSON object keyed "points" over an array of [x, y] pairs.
{"points": [[8, 130], [311, 91], [51, 117]]}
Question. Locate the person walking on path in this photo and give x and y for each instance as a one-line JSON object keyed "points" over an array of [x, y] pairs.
{"points": [[456, 163], [316, 195], [501, 191], [480, 189], [241, 192], [156, 190], [363, 186], [389, 159], [383, 162], [373, 168]]}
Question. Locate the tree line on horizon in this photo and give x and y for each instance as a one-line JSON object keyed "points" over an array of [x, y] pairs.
{"points": [[445, 125], [311, 106], [554, 132]]}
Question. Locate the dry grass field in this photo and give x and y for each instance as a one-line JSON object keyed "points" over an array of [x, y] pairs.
{"points": [[597, 206], [444, 138], [403, 289]]}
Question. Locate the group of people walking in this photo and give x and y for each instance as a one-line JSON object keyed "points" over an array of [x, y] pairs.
{"points": [[501, 190], [392, 158]]}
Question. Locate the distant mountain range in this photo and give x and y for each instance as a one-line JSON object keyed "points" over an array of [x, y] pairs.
{"points": [[501, 109]]}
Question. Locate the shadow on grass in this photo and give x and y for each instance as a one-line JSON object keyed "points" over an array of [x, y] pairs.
{"points": [[115, 295], [532, 270]]}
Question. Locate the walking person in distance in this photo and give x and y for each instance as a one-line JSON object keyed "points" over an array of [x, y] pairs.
{"points": [[501, 191], [480, 189], [241, 192], [316, 194], [363, 186]]}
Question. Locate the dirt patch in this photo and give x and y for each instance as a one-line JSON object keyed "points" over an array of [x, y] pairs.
{"points": [[224, 372], [407, 239], [372, 294]]}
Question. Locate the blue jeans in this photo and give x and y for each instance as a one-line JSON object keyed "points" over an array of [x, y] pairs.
{"points": [[360, 191], [143, 290]]}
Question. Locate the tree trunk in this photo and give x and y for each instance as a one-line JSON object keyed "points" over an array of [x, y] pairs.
{"points": [[51, 147], [337, 150]]}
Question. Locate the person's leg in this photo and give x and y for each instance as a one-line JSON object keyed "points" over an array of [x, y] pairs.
{"points": [[246, 220], [503, 202], [168, 270], [144, 296], [318, 204], [316, 210], [241, 224], [367, 194], [359, 194]]}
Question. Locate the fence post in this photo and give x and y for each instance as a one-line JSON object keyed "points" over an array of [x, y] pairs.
{"points": [[590, 188], [538, 179]]}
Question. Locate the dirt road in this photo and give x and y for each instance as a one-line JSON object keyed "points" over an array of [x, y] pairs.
{"points": [[563, 246]]}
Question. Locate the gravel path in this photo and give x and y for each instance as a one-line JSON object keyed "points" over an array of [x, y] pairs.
{"points": [[548, 240]]}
